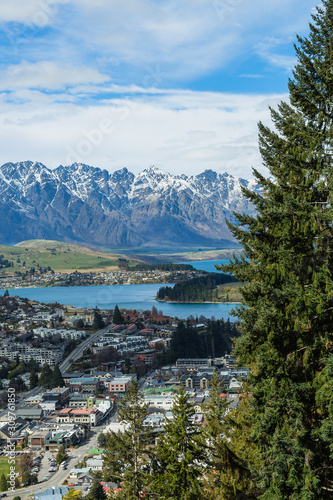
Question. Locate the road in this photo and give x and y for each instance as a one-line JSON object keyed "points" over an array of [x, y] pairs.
{"points": [[75, 456], [78, 351]]}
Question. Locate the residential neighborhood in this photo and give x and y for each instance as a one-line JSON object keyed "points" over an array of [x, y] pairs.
{"points": [[55, 408]]}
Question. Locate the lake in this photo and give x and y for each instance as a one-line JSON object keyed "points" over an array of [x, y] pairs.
{"points": [[207, 265], [127, 296]]}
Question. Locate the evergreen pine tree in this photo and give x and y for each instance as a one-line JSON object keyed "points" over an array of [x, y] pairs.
{"points": [[33, 379], [45, 376], [126, 453], [98, 322], [227, 475], [96, 492], [3, 483], [179, 454], [117, 317], [61, 455], [56, 379], [287, 338]]}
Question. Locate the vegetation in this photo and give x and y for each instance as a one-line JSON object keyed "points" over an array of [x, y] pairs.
{"points": [[56, 379], [179, 454], [202, 289], [163, 267], [39, 256], [97, 492], [3, 483], [61, 455], [117, 317], [126, 454], [45, 378], [287, 339], [72, 495], [214, 340]]}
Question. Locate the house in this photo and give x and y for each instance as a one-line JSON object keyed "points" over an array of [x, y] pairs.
{"points": [[146, 356], [88, 384], [95, 463], [54, 493], [120, 384], [85, 478], [75, 473]]}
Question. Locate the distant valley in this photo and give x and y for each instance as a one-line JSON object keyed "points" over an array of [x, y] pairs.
{"points": [[119, 210]]}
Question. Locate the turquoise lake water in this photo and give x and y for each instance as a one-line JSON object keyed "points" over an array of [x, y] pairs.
{"points": [[127, 296]]}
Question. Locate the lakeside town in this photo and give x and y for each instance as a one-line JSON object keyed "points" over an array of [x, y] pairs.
{"points": [[70, 368], [94, 278]]}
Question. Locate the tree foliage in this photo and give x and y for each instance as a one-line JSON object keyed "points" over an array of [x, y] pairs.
{"points": [[3, 483], [117, 317], [126, 454], [179, 454], [287, 337], [195, 290], [45, 376]]}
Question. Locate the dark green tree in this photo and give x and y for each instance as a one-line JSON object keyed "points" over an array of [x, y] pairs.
{"points": [[227, 475], [98, 322], [33, 379], [45, 376], [97, 492], [101, 439], [117, 317], [179, 454], [126, 453], [287, 337], [61, 455], [3, 483], [56, 379]]}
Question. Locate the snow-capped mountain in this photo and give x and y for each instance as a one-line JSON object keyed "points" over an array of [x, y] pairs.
{"points": [[85, 204]]}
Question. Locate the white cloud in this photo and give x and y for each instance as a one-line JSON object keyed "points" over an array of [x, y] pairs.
{"points": [[209, 130], [47, 75], [37, 12]]}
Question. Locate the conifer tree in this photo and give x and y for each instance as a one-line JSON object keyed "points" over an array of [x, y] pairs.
{"points": [[45, 376], [57, 378], [33, 379], [227, 475], [126, 454], [96, 492], [179, 455], [3, 483], [117, 317], [287, 336]]}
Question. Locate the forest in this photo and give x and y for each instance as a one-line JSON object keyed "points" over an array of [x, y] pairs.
{"points": [[201, 289]]}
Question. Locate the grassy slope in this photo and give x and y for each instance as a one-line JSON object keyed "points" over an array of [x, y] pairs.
{"points": [[59, 256]]}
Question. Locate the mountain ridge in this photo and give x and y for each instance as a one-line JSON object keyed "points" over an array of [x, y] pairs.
{"points": [[84, 204]]}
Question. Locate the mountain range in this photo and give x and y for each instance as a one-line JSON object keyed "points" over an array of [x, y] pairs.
{"points": [[87, 205]]}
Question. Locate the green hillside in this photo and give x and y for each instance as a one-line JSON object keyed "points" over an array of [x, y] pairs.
{"points": [[58, 256]]}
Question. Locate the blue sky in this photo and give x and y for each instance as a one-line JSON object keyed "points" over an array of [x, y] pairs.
{"points": [[176, 84]]}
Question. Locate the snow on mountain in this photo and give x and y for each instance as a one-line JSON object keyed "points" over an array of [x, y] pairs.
{"points": [[81, 203]]}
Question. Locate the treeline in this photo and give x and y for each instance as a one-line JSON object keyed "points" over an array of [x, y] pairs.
{"points": [[124, 263], [201, 289], [185, 461], [5, 262], [164, 267], [215, 340]]}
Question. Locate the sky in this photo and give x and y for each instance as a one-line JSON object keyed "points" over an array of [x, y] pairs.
{"points": [[179, 84]]}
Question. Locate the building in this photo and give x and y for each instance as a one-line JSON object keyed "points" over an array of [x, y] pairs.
{"points": [[88, 384], [120, 384], [54, 493], [146, 356], [88, 416]]}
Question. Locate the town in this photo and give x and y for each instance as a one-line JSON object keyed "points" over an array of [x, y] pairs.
{"points": [[93, 278], [69, 368]]}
